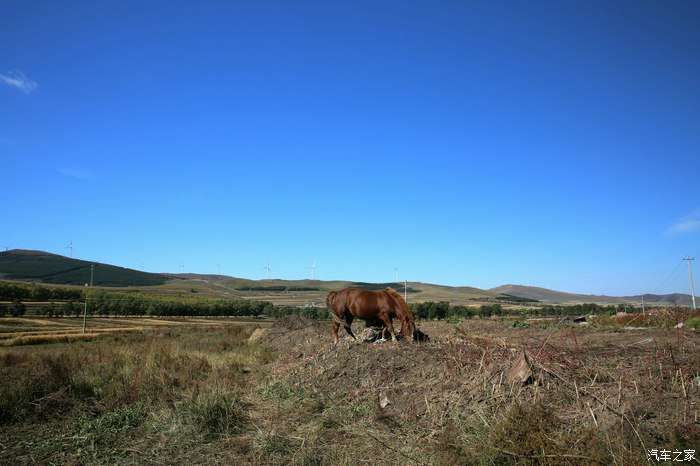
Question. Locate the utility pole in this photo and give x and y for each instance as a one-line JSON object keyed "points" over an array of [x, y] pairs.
{"points": [[92, 270], [690, 273]]}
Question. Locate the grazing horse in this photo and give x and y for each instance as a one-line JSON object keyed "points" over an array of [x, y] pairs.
{"points": [[371, 306]]}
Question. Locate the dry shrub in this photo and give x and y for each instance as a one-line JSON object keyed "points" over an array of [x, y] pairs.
{"points": [[534, 434], [37, 390]]}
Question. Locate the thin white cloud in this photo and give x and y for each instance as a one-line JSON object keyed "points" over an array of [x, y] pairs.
{"points": [[687, 224], [79, 174], [18, 80]]}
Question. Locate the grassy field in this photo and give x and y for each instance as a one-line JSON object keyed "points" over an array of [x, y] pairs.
{"points": [[220, 391]]}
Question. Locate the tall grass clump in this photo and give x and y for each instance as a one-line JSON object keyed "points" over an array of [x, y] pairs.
{"points": [[218, 412]]}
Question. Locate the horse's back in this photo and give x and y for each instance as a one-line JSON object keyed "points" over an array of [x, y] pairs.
{"points": [[366, 304]]}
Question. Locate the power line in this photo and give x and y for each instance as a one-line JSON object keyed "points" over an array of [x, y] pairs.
{"points": [[669, 277], [92, 271], [690, 274]]}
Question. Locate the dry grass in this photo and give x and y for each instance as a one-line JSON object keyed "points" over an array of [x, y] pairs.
{"points": [[203, 394], [59, 336], [127, 395], [21, 331], [592, 400]]}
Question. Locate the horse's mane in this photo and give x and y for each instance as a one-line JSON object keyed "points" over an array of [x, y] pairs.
{"points": [[399, 299]]}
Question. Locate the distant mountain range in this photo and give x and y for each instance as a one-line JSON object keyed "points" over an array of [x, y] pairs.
{"points": [[44, 267], [551, 296]]}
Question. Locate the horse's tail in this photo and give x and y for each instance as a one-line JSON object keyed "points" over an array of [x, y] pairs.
{"points": [[330, 304], [330, 299], [338, 319]]}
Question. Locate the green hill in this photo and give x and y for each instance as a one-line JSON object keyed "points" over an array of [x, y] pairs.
{"points": [[43, 267]]}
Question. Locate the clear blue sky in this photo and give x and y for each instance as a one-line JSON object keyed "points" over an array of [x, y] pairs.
{"points": [[467, 143]]}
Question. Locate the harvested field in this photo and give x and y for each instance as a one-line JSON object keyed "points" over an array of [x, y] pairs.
{"points": [[28, 331], [479, 392]]}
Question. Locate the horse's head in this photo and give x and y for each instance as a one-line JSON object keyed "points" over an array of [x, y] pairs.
{"points": [[403, 312], [408, 326]]}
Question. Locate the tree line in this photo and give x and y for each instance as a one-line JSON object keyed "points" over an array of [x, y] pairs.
{"points": [[444, 310], [32, 292], [123, 304]]}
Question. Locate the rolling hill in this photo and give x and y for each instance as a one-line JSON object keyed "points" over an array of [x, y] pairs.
{"points": [[43, 267], [547, 296]]}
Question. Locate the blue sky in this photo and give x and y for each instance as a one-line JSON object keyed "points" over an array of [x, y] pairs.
{"points": [[467, 143]]}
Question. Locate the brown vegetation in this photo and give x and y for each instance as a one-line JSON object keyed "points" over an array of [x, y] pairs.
{"points": [[220, 396]]}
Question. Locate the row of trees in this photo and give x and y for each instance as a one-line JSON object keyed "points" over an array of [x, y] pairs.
{"points": [[444, 310], [33, 292], [120, 304], [15, 309]]}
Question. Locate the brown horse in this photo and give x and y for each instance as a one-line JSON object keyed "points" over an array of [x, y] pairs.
{"points": [[373, 306]]}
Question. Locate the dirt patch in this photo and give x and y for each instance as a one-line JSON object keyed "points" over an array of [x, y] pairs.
{"points": [[288, 332]]}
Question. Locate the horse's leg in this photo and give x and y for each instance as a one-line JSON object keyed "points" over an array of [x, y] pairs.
{"points": [[348, 319], [387, 321], [336, 326], [384, 330]]}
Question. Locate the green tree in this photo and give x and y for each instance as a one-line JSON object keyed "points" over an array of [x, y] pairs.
{"points": [[70, 308], [17, 308]]}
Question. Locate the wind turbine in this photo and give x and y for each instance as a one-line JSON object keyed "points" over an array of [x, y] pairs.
{"points": [[396, 270], [268, 269], [70, 249], [313, 270], [7, 247]]}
